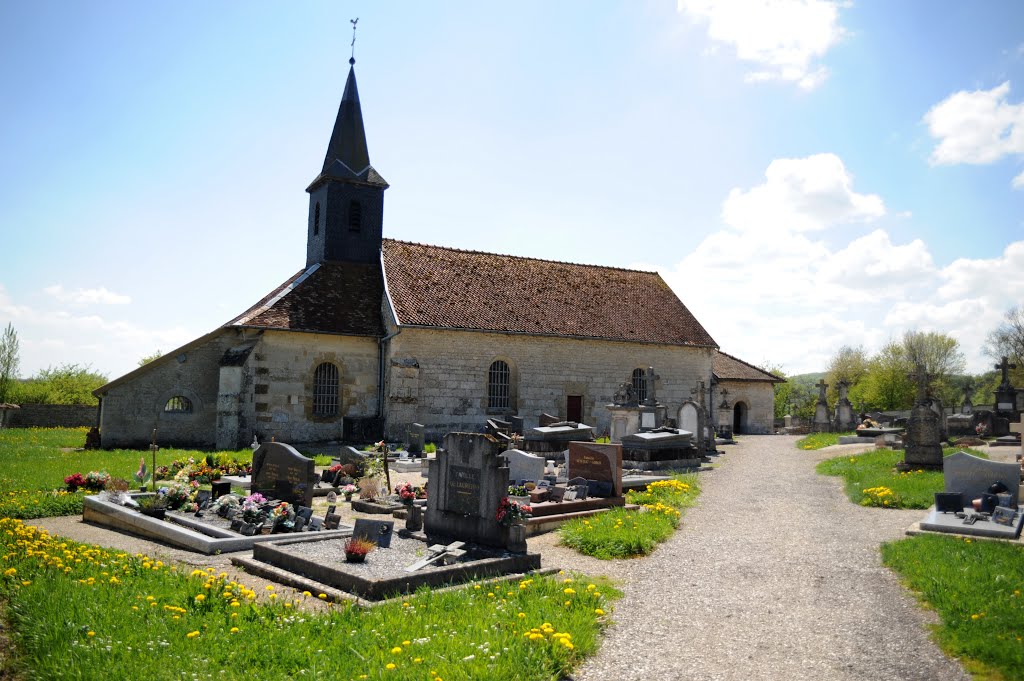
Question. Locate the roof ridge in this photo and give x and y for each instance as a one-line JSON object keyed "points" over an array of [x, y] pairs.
{"points": [[752, 366], [523, 257]]}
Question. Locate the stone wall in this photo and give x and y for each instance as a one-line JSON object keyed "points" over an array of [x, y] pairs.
{"points": [[439, 377], [283, 364], [269, 395], [759, 398], [53, 416]]}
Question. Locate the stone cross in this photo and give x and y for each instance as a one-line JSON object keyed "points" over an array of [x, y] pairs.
{"points": [[438, 552], [1005, 367], [725, 401], [968, 391], [699, 391], [153, 449], [922, 378], [822, 387], [843, 388]]}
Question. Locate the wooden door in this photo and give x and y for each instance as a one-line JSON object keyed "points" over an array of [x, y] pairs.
{"points": [[574, 408]]}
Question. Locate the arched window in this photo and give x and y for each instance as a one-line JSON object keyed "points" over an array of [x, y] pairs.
{"points": [[355, 215], [498, 383], [316, 219], [178, 405], [325, 390], [640, 384]]}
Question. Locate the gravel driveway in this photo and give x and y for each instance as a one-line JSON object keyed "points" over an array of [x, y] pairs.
{"points": [[773, 575]]}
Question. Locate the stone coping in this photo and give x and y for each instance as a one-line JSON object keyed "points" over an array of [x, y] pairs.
{"points": [[176, 533], [948, 523]]}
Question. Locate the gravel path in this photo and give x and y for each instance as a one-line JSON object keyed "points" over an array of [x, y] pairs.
{"points": [[773, 575]]}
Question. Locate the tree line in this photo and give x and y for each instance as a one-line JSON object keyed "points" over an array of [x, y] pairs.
{"points": [[881, 381]]}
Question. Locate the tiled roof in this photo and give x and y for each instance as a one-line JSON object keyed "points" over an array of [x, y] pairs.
{"points": [[729, 368], [446, 287], [342, 298]]}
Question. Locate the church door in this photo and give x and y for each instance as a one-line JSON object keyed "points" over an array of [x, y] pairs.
{"points": [[739, 418], [574, 408]]}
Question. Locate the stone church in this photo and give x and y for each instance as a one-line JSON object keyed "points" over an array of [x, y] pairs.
{"points": [[374, 334]]}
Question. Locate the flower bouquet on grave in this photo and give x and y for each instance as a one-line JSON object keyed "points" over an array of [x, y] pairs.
{"points": [[96, 481], [252, 508], [225, 504], [406, 493], [981, 429], [179, 493], [153, 505], [74, 481], [356, 549], [511, 513], [282, 518], [116, 491], [348, 490]]}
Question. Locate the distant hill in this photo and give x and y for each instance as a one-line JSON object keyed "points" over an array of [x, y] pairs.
{"points": [[809, 379]]}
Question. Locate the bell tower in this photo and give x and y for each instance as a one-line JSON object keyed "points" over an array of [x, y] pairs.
{"points": [[346, 200]]}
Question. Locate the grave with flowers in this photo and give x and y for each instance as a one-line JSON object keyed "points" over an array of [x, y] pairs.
{"points": [[471, 531]]}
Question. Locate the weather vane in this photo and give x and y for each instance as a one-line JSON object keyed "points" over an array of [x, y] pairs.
{"points": [[352, 58]]}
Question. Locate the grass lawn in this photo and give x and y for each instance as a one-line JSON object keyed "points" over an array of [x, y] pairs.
{"points": [[33, 464], [83, 612], [977, 588], [822, 440], [623, 534], [872, 479]]}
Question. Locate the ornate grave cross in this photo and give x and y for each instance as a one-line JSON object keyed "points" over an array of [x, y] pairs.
{"points": [[153, 448], [822, 387], [922, 378], [1005, 367], [968, 391], [650, 378], [725, 401], [844, 387], [698, 391]]}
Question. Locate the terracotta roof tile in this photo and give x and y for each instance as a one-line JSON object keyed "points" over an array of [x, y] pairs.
{"points": [[342, 298], [446, 287], [729, 368]]}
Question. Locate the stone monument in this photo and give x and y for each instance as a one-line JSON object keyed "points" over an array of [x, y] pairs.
{"points": [[822, 423], [280, 472], [1006, 394], [845, 418], [921, 443]]}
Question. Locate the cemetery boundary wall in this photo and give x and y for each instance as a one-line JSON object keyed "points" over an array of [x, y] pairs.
{"points": [[53, 416]]}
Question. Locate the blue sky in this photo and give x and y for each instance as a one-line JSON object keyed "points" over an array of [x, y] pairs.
{"points": [[805, 174]]}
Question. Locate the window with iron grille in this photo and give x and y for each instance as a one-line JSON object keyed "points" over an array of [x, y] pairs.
{"points": [[640, 384], [498, 379], [178, 405], [355, 215], [325, 390], [316, 219]]}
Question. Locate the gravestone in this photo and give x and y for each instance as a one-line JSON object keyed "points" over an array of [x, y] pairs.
{"points": [[845, 419], [625, 420], [377, 531], [280, 472], [921, 448], [972, 476], [821, 423], [600, 463], [1018, 430], [517, 424], [664, 448], [467, 482], [940, 411], [547, 419], [496, 427], [219, 489], [1006, 394], [416, 436], [523, 466]]}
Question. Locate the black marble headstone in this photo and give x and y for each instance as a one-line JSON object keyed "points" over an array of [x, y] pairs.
{"points": [[219, 489], [279, 470], [332, 521], [331, 509], [304, 512], [315, 524], [203, 497], [949, 502], [377, 531]]}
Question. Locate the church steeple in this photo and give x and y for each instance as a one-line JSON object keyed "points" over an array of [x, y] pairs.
{"points": [[346, 200]]}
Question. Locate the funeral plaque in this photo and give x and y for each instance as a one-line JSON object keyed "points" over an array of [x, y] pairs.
{"points": [[279, 471], [464, 490]]}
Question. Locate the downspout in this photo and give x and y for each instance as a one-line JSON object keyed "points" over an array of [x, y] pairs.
{"points": [[380, 370]]}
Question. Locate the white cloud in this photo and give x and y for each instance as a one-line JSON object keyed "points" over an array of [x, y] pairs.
{"points": [[85, 296], [801, 195], [977, 127], [783, 37], [769, 287], [1018, 182]]}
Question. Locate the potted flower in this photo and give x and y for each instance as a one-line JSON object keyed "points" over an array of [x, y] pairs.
{"points": [[153, 505], [74, 481], [406, 493], [253, 513], [511, 512], [96, 481], [348, 490], [225, 504], [519, 494], [356, 549], [282, 518], [142, 475]]}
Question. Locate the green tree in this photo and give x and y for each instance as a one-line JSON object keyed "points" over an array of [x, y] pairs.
{"points": [[887, 385], [1007, 340], [65, 384], [850, 365], [940, 356], [149, 358], [9, 361]]}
